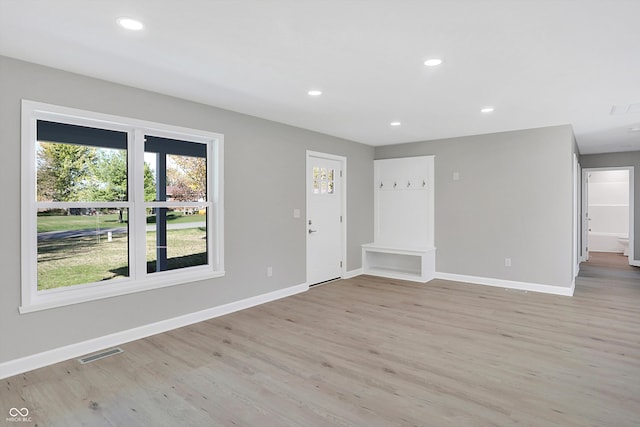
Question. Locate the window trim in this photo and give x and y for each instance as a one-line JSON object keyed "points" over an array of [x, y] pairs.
{"points": [[34, 300]]}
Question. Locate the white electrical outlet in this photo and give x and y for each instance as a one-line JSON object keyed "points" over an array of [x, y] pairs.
{"points": [[456, 176], [296, 213], [269, 271], [507, 262]]}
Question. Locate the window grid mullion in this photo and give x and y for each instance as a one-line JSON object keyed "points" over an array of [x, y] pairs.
{"points": [[137, 248], [67, 205], [173, 204]]}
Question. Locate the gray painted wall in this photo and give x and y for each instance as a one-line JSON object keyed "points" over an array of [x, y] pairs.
{"points": [[615, 160], [513, 199], [264, 183]]}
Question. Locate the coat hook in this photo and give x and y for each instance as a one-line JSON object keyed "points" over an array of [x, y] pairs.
{"points": [[395, 184], [408, 184], [381, 184], [424, 184]]}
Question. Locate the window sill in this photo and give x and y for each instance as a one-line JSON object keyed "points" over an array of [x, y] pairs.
{"points": [[66, 297]]}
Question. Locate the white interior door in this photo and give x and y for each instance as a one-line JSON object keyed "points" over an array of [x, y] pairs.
{"points": [[577, 230], [324, 218], [585, 215]]}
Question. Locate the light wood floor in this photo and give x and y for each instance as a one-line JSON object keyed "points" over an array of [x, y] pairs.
{"points": [[368, 352], [607, 265]]}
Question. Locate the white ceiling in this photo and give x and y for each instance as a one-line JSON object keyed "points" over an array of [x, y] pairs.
{"points": [[538, 62]]}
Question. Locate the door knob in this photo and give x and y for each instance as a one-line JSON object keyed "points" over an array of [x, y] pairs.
{"points": [[312, 231]]}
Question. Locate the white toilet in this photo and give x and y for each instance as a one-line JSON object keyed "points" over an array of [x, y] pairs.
{"points": [[624, 241]]}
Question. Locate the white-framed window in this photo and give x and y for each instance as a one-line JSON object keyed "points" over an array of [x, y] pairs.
{"points": [[113, 205]]}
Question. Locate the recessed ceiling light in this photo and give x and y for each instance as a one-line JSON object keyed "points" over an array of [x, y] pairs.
{"points": [[315, 92], [487, 110], [395, 123], [634, 129], [433, 62], [130, 24]]}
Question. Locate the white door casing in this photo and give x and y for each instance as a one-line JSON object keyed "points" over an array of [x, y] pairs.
{"points": [[585, 213], [325, 223], [577, 230]]}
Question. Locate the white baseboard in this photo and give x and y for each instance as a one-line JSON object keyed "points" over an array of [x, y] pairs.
{"points": [[352, 273], [635, 262], [49, 357], [510, 284]]}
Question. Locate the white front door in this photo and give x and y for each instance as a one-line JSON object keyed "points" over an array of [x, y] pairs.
{"points": [[324, 218]]}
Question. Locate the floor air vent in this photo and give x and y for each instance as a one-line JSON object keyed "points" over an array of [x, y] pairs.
{"points": [[101, 355]]}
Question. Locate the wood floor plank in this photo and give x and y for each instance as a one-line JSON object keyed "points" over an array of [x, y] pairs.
{"points": [[370, 351]]}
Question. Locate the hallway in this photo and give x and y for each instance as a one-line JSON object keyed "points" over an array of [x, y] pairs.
{"points": [[605, 265]]}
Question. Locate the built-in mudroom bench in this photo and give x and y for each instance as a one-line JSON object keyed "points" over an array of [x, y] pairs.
{"points": [[417, 264], [404, 220]]}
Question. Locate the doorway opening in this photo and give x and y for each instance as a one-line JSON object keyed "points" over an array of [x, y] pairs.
{"points": [[608, 215]]}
